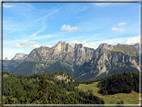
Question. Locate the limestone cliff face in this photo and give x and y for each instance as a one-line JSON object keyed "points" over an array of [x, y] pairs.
{"points": [[82, 54], [39, 54], [106, 59], [79, 53], [62, 51], [137, 46], [6, 58], [106, 46], [102, 58], [62, 47], [19, 56]]}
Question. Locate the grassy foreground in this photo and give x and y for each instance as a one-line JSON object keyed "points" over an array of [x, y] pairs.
{"points": [[131, 98]]}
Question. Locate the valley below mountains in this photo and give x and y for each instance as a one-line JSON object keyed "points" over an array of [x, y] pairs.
{"points": [[83, 63]]}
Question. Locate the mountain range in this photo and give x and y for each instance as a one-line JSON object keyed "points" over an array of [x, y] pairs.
{"points": [[82, 62]]}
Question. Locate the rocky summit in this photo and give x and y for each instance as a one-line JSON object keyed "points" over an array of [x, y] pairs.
{"points": [[82, 62], [6, 58], [20, 56]]}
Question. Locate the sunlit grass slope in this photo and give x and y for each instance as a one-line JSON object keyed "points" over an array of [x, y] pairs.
{"points": [[131, 98]]}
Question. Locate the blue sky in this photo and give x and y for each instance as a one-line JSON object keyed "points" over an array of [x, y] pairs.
{"points": [[30, 25]]}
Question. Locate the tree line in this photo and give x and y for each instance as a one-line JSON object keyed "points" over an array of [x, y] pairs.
{"points": [[44, 89], [119, 83]]}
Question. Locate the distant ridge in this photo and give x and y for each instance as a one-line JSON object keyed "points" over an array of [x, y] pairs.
{"points": [[19, 56], [82, 62], [6, 58]]}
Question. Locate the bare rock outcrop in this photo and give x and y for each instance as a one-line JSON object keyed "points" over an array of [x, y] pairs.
{"points": [[20, 56], [6, 58]]}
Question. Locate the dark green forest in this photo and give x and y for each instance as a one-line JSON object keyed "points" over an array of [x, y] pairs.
{"points": [[45, 89], [119, 83], [61, 88]]}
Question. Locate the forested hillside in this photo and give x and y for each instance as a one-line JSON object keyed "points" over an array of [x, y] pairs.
{"points": [[62, 88], [119, 83], [52, 88], [8, 65]]}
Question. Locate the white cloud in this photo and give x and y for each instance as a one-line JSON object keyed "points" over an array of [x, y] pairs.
{"points": [[133, 40], [18, 46], [7, 6], [113, 29], [32, 44], [24, 42], [85, 44], [35, 46], [69, 28], [123, 23], [116, 29]]}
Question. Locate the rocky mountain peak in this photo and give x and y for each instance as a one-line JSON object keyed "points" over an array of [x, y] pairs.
{"points": [[79, 50], [6, 58], [78, 46], [19, 56], [106, 46], [59, 42], [137, 46], [63, 47]]}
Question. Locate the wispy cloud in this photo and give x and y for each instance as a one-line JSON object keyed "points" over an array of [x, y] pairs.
{"points": [[13, 38], [7, 6], [12, 31], [133, 40], [102, 4], [4, 36], [94, 37], [19, 46], [49, 14], [116, 29], [123, 23], [88, 30], [24, 43], [44, 37], [40, 30], [32, 7], [5, 44]]}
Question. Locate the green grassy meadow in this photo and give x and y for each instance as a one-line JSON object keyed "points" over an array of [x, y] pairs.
{"points": [[131, 98]]}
